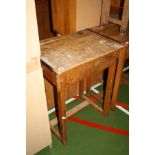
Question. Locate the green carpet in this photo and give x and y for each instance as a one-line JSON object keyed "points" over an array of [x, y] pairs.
{"points": [[84, 140]]}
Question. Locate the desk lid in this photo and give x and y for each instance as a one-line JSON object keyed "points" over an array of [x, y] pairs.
{"points": [[66, 52]]}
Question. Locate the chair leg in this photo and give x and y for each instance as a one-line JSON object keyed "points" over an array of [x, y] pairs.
{"points": [[125, 16]]}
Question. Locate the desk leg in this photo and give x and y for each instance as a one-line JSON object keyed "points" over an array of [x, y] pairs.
{"points": [[59, 96], [88, 84], [119, 71], [109, 87], [81, 88]]}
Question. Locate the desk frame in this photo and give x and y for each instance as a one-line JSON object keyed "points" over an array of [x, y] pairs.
{"points": [[113, 61]]}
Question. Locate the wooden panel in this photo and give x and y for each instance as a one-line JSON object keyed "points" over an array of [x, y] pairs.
{"points": [[105, 11], [49, 94], [44, 18], [115, 2], [64, 16], [116, 8], [73, 15], [97, 78], [72, 90]]}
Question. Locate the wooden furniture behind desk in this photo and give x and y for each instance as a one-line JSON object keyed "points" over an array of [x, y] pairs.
{"points": [[72, 59], [112, 32], [44, 18], [74, 15], [106, 18]]}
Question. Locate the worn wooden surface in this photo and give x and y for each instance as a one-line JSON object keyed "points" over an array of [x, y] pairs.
{"points": [[72, 50], [112, 31]]}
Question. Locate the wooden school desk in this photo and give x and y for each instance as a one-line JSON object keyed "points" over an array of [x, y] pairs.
{"points": [[70, 59]]}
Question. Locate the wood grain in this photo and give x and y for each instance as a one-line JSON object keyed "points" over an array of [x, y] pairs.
{"points": [[123, 22], [49, 94], [105, 11], [59, 93], [64, 16], [43, 18], [109, 88], [112, 31], [119, 71], [73, 50], [125, 16]]}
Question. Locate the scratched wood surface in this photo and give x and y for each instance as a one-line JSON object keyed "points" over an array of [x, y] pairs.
{"points": [[112, 31], [67, 52]]}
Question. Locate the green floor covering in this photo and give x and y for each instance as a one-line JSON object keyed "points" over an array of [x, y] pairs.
{"points": [[84, 140]]}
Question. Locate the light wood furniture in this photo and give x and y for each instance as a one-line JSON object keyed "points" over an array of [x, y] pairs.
{"points": [[44, 18], [112, 31], [123, 22], [116, 8], [72, 59], [38, 133], [74, 15]]}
